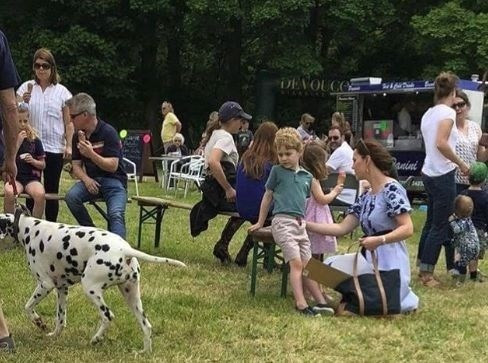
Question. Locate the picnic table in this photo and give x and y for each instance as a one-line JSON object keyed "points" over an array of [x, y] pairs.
{"points": [[166, 161]]}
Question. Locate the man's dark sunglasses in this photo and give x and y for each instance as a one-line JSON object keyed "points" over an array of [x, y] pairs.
{"points": [[76, 114]]}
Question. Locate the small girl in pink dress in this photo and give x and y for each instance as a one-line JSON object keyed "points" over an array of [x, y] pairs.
{"points": [[316, 209]]}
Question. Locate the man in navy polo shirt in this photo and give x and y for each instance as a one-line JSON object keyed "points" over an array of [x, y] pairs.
{"points": [[9, 79], [97, 163]]}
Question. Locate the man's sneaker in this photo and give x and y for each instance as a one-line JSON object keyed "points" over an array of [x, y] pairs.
{"points": [[323, 309], [308, 311]]}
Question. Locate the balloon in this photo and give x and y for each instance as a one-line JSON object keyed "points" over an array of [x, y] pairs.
{"points": [[146, 138], [123, 134]]}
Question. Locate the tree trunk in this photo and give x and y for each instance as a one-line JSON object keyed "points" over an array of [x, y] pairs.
{"points": [[234, 89]]}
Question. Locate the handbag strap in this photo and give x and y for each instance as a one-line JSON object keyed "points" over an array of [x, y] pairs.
{"points": [[380, 283], [355, 279]]}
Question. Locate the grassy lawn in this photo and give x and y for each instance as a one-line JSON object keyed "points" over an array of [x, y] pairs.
{"points": [[205, 312]]}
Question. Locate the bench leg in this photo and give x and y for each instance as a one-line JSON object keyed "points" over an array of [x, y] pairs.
{"points": [[159, 222], [254, 268], [269, 255], [155, 213], [139, 232], [284, 278]]}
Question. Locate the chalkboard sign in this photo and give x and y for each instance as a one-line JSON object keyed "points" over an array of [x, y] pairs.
{"points": [[135, 149]]}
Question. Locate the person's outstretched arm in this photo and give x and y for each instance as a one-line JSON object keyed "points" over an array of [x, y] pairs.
{"points": [[334, 229]]}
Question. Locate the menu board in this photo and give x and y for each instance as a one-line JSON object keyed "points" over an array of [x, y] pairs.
{"points": [[137, 146]]}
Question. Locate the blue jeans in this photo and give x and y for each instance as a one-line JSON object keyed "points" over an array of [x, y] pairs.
{"points": [[441, 191], [114, 194]]}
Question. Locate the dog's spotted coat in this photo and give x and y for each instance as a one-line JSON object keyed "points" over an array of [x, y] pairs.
{"points": [[61, 255]]}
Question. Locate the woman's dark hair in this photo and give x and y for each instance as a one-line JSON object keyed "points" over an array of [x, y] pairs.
{"points": [[379, 155], [444, 84], [461, 94], [261, 151], [46, 55]]}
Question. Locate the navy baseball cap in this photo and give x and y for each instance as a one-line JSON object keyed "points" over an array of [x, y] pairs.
{"points": [[231, 109]]}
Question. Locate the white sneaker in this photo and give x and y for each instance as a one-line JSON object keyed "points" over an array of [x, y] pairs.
{"points": [[453, 272]]}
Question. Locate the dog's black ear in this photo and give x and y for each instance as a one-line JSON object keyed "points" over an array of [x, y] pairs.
{"points": [[23, 209]]}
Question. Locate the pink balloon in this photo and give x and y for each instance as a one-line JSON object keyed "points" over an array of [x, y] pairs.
{"points": [[146, 138]]}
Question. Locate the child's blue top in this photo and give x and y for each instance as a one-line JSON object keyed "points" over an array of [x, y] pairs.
{"points": [[290, 190], [249, 192]]}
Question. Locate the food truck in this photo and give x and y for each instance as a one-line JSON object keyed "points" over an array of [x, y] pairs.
{"points": [[390, 112]]}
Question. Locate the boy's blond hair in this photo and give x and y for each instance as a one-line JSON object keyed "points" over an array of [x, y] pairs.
{"points": [[463, 206], [289, 138]]}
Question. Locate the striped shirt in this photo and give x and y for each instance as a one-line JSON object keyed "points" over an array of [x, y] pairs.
{"points": [[46, 114]]}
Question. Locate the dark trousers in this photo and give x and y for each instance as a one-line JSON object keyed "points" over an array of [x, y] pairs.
{"points": [[441, 192], [52, 175]]}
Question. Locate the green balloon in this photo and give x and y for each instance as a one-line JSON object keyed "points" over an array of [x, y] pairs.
{"points": [[123, 134]]}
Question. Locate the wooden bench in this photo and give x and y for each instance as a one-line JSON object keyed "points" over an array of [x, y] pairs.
{"points": [[59, 197], [265, 252], [151, 211]]}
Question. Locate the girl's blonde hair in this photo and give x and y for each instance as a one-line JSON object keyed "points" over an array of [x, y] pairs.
{"points": [[289, 138], [32, 134], [313, 160]]}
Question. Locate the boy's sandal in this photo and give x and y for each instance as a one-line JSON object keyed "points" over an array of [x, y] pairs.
{"points": [[7, 344]]}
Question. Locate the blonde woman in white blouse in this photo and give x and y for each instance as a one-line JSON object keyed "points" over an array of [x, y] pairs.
{"points": [[50, 117]]}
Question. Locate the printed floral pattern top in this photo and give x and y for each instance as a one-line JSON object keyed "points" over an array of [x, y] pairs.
{"points": [[465, 240], [376, 212]]}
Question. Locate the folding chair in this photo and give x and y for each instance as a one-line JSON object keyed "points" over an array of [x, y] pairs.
{"points": [[350, 183], [131, 171]]}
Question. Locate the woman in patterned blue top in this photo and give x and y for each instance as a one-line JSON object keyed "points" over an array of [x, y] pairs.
{"points": [[383, 213]]}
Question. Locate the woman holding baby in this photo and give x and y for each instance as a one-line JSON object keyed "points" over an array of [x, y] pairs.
{"points": [[49, 115]]}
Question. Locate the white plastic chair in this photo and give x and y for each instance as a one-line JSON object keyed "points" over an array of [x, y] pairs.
{"points": [[131, 171], [191, 171]]}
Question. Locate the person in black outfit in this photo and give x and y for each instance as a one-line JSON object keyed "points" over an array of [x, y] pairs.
{"points": [[9, 79]]}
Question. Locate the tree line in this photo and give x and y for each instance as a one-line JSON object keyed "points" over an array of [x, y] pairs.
{"points": [[133, 54]]}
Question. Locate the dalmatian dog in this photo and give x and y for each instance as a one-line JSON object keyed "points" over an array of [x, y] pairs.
{"points": [[61, 255]]}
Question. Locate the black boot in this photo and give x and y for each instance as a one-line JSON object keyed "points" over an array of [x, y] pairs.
{"points": [[221, 247], [241, 258]]}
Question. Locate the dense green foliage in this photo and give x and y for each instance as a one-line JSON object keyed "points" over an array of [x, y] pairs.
{"points": [[132, 54]]}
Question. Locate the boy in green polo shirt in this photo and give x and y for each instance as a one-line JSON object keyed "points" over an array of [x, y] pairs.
{"points": [[288, 186]]}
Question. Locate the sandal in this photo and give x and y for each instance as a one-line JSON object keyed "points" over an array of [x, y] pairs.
{"points": [[7, 344], [429, 281]]}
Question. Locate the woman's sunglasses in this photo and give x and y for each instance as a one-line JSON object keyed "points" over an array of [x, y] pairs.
{"points": [[458, 105], [44, 66]]}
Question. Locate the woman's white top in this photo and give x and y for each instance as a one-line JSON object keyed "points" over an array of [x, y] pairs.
{"points": [[435, 163], [46, 114], [223, 140]]}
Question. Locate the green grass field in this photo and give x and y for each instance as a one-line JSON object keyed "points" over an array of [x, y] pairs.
{"points": [[205, 312]]}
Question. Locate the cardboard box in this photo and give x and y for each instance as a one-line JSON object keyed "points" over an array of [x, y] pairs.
{"points": [[324, 274]]}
